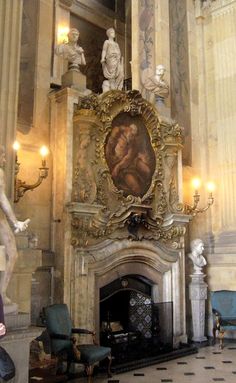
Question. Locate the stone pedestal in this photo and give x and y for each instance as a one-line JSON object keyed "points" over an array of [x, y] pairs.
{"points": [[19, 289], [74, 79], [17, 344], [198, 295]]}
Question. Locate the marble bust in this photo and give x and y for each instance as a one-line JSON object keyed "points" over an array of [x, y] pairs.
{"points": [[71, 51], [197, 248], [112, 63], [156, 83]]}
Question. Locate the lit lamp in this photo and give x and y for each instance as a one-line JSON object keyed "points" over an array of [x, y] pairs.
{"points": [[194, 209], [21, 186], [62, 34]]}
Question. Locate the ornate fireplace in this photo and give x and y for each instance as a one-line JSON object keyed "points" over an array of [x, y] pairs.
{"points": [[120, 206]]}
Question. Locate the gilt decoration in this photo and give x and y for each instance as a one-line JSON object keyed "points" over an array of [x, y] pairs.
{"points": [[125, 171]]}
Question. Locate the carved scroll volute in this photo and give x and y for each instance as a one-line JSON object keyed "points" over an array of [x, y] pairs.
{"points": [[172, 138]]}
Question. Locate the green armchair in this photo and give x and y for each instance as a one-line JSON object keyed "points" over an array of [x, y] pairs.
{"points": [[63, 344]]}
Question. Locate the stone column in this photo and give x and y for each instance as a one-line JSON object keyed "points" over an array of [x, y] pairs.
{"points": [[10, 43], [62, 109], [198, 295]]}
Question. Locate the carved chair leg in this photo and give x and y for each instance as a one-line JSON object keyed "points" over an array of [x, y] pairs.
{"points": [[89, 372], [109, 374], [221, 337]]}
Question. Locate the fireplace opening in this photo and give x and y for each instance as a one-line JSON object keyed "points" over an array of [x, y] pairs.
{"points": [[131, 323]]}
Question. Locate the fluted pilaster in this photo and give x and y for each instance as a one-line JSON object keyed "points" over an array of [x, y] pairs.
{"points": [[10, 42], [224, 27]]}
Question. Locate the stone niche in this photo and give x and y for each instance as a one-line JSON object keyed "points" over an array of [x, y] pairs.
{"points": [[123, 214]]}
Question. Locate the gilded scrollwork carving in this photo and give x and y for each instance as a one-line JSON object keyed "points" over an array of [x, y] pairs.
{"points": [[125, 171], [89, 102]]}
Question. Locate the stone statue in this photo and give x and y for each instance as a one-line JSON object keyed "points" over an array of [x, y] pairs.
{"points": [[112, 63], [7, 239], [197, 248], [156, 85], [71, 51]]}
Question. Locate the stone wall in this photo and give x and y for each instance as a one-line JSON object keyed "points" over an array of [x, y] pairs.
{"points": [[213, 116]]}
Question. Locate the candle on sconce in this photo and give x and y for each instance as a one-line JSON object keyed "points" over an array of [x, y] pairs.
{"points": [[62, 34], [196, 182], [16, 147], [44, 152], [211, 187]]}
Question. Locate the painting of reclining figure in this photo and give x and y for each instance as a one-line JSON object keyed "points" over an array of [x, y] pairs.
{"points": [[129, 155]]}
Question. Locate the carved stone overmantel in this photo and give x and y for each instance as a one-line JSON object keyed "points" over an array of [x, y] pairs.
{"points": [[104, 207], [117, 220]]}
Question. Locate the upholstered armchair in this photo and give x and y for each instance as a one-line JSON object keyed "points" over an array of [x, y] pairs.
{"points": [[63, 344]]}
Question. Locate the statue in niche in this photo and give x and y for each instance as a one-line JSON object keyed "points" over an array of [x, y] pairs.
{"points": [[156, 85], [197, 248], [71, 51], [7, 239], [129, 155], [112, 63], [85, 189]]}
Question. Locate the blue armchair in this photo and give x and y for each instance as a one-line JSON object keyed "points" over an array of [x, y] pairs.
{"points": [[63, 344], [223, 304]]}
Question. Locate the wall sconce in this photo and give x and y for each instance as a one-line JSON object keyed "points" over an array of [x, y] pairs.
{"points": [[194, 209], [21, 186]]}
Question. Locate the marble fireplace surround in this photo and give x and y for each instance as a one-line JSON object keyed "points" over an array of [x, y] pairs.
{"points": [[92, 220], [106, 262]]}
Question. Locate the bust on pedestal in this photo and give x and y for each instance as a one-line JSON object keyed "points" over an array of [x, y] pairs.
{"points": [[74, 54], [156, 86], [198, 290]]}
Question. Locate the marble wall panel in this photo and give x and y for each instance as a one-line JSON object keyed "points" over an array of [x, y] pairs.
{"points": [[27, 65], [179, 69]]}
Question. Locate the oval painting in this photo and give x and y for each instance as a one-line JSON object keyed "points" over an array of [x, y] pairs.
{"points": [[129, 155]]}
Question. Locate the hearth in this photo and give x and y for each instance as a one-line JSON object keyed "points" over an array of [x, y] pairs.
{"points": [[131, 324]]}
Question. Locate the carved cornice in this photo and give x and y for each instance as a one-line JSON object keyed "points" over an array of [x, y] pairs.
{"points": [[214, 7]]}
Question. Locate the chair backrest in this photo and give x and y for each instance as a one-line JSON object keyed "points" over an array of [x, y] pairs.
{"points": [[58, 322], [224, 302]]}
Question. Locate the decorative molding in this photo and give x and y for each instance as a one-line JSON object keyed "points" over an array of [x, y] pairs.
{"points": [[215, 7], [67, 3]]}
